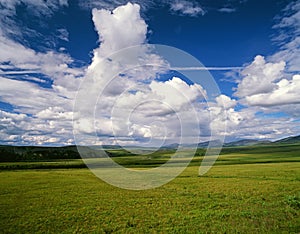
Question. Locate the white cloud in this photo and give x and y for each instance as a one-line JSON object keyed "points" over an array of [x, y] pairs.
{"points": [[55, 112], [38, 122], [176, 92], [259, 77], [130, 107], [123, 27], [290, 53], [46, 113], [9, 118], [50, 63], [272, 87], [187, 8], [110, 5], [272, 91], [264, 128], [286, 92], [225, 102], [291, 18], [289, 37], [21, 66], [133, 106], [269, 87], [30, 98], [141, 114], [25, 129], [255, 122]]}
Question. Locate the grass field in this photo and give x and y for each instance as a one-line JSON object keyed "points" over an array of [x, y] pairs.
{"points": [[249, 190]]}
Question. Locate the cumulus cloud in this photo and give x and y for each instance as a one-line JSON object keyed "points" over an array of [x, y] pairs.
{"points": [[41, 115], [259, 77], [131, 104], [268, 88], [123, 27], [252, 126], [286, 92], [55, 112], [176, 92], [123, 102], [225, 101], [39, 86], [274, 83], [157, 110], [265, 84], [23, 129]]}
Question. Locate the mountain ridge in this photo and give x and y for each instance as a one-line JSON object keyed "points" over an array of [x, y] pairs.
{"points": [[240, 142]]}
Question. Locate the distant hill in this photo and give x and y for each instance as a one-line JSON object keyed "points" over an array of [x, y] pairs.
{"points": [[111, 147], [33, 153], [245, 142], [242, 142], [289, 140], [170, 146], [214, 143]]}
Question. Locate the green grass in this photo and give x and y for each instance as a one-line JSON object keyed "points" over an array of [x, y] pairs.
{"points": [[229, 156], [245, 192], [51, 164]]}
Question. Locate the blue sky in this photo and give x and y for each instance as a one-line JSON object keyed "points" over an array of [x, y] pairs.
{"points": [[51, 55]]}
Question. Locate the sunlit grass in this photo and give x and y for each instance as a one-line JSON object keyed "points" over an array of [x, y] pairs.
{"points": [[250, 198], [248, 190]]}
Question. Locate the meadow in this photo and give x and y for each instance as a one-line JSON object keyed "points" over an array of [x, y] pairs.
{"points": [[248, 190]]}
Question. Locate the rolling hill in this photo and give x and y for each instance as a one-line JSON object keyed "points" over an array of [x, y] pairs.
{"points": [[289, 140], [33, 153], [245, 142]]}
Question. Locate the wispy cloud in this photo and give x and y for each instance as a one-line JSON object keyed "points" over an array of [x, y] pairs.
{"points": [[288, 37], [19, 72], [63, 34], [187, 8], [227, 10]]}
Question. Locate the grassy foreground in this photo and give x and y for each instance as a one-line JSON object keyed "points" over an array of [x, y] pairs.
{"points": [[245, 198]]}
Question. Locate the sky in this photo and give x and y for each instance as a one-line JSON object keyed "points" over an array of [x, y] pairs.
{"points": [[148, 73]]}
